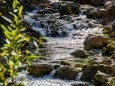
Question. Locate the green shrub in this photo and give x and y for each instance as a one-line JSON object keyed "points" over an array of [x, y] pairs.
{"points": [[15, 39]]}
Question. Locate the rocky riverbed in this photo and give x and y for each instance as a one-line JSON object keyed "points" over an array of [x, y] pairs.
{"points": [[72, 55]]}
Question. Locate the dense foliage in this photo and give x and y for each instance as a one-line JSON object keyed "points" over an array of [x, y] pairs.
{"points": [[12, 52]]}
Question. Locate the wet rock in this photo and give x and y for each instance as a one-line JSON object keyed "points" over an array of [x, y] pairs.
{"points": [[68, 9], [95, 42], [94, 12], [78, 65], [101, 60], [65, 63], [97, 2], [111, 29], [56, 29], [90, 2], [82, 84], [56, 66], [66, 72], [83, 1], [90, 71], [109, 15], [40, 70], [37, 2], [30, 5], [101, 78], [113, 24], [55, 5], [80, 54], [113, 57], [109, 50], [107, 29], [110, 47], [30, 30], [112, 34]]}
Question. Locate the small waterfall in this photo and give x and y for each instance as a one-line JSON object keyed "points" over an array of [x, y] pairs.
{"points": [[64, 35]]}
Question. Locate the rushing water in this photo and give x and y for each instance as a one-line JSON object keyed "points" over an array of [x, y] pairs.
{"points": [[59, 48]]}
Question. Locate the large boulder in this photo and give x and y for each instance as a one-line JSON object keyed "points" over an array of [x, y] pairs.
{"points": [[95, 42], [40, 70], [67, 72], [80, 54], [69, 8], [90, 71]]}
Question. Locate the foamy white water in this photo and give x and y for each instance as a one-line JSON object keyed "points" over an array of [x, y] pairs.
{"points": [[47, 80], [54, 0]]}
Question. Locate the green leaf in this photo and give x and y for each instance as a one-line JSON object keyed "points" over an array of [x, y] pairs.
{"points": [[10, 29], [5, 29], [16, 20], [20, 10], [3, 53], [14, 4], [7, 45], [7, 19], [32, 57], [0, 13], [7, 36], [13, 53], [35, 43], [18, 37]]}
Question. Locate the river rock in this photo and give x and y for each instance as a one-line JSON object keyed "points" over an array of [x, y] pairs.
{"points": [[95, 42], [101, 78], [55, 28], [69, 8], [66, 72], [110, 47], [80, 54], [110, 29], [107, 29], [109, 15], [95, 13], [40, 70], [89, 72], [101, 60]]}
